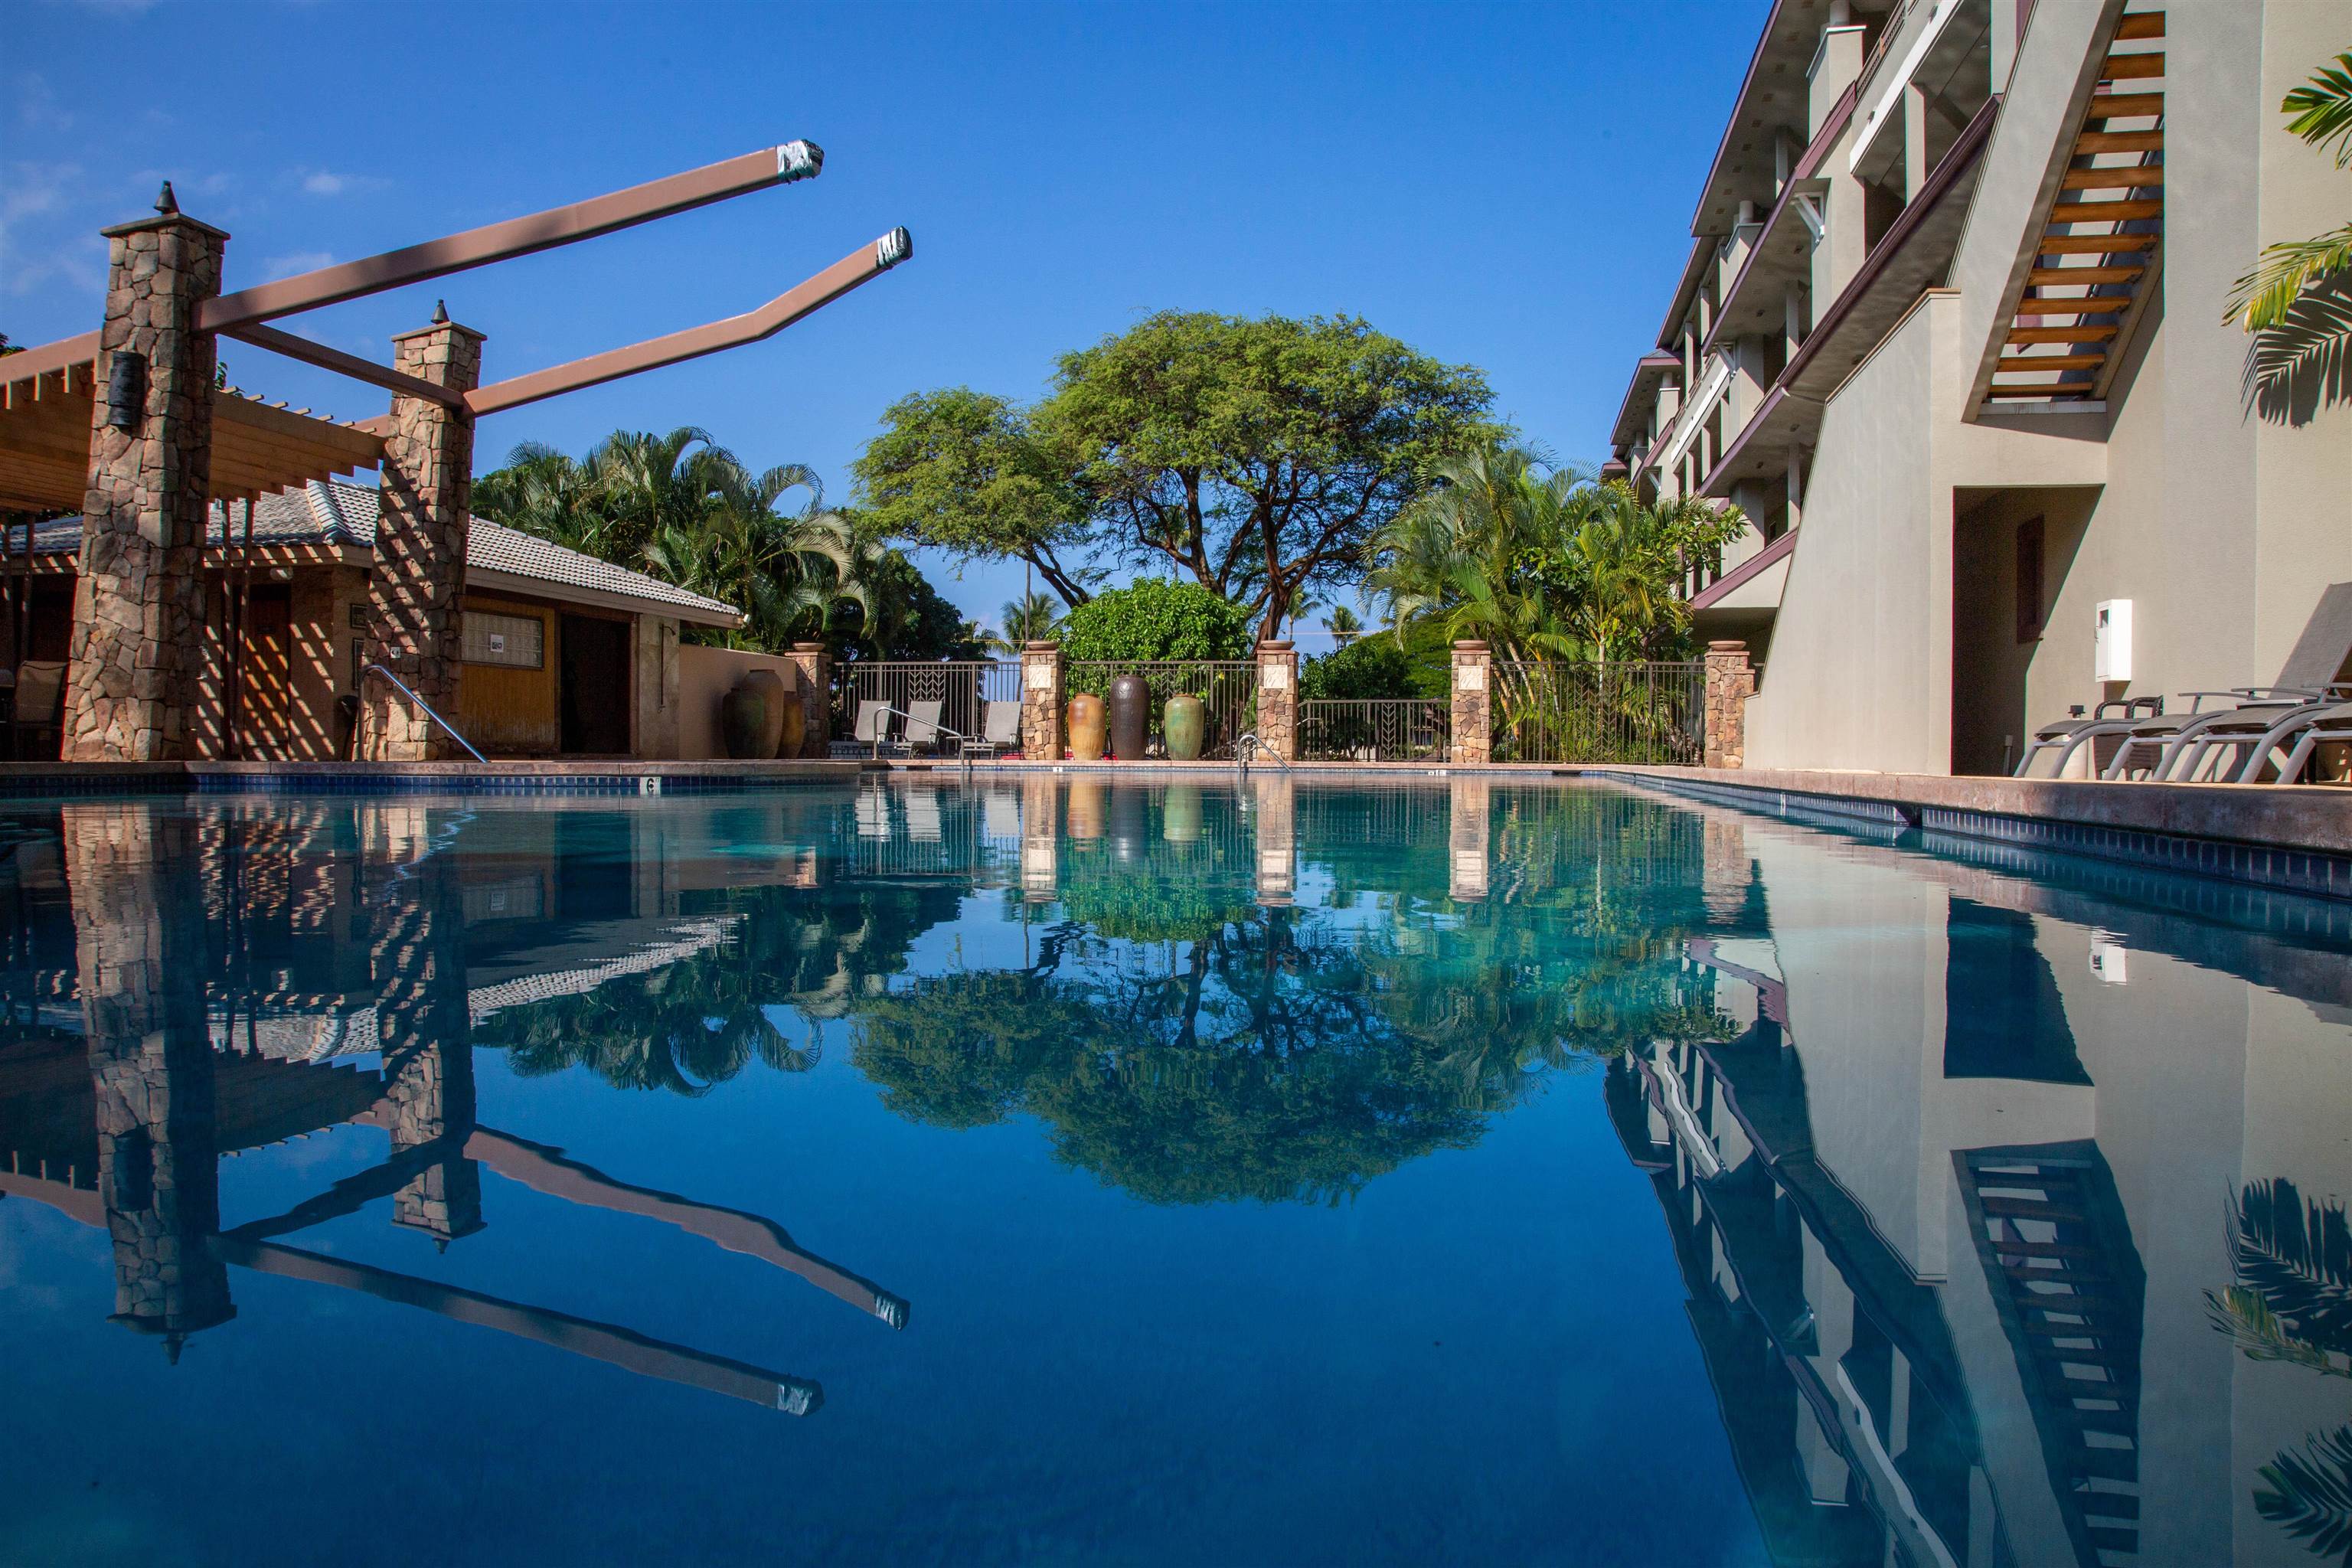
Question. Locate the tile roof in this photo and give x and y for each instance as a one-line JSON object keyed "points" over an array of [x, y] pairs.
{"points": [[343, 515]]}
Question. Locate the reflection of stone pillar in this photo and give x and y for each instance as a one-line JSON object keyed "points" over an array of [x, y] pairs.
{"points": [[1041, 703], [815, 667], [1277, 837], [423, 1028], [414, 626], [1041, 838], [1724, 869], [139, 925], [1473, 697], [1277, 697], [1730, 682], [1469, 834], [139, 599]]}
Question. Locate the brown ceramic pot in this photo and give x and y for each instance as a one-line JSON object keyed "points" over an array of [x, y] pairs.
{"points": [[1085, 719]]}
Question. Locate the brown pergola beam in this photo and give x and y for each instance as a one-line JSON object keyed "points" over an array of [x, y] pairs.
{"points": [[474, 248], [859, 267], [352, 365]]}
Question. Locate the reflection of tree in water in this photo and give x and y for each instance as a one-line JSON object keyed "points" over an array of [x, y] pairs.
{"points": [[2292, 1303], [703, 1018]]}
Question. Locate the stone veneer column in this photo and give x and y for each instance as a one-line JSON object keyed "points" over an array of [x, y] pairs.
{"points": [[1041, 838], [1277, 697], [138, 605], [424, 1029], [138, 928], [1276, 829], [1470, 834], [1730, 682], [414, 626], [816, 668], [1041, 703], [1474, 695]]}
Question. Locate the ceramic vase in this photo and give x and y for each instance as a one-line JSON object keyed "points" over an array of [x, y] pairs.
{"points": [[1182, 726], [795, 727], [771, 688], [743, 721], [1085, 720], [1130, 717]]}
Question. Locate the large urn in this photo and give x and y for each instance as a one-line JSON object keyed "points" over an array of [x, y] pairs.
{"points": [[1182, 726], [771, 688], [795, 727], [743, 721], [1130, 717], [1179, 815], [1086, 727]]}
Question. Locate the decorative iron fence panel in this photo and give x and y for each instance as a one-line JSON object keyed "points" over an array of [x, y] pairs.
{"points": [[1226, 688], [962, 689], [1617, 712], [1375, 729]]}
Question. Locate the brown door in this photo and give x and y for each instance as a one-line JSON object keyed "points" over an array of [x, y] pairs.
{"points": [[266, 704], [593, 686]]}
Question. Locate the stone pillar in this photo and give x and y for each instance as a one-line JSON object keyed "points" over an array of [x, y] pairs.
{"points": [[1470, 836], [1473, 701], [1277, 697], [1041, 838], [815, 667], [1726, 869], [138, 928], [1730, 682], [1276, 814], [415, 628], [425, 1030], [138, 606], [1041, 703]]}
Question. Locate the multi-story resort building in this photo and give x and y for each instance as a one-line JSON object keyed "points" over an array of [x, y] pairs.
{"points": [[1952, 335]]}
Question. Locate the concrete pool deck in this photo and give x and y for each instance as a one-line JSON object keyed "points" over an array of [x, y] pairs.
{"points": [[2296, 837]]}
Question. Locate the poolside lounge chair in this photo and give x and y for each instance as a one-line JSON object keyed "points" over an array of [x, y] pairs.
{"points": [[2170, 746], [1000, 729], [922, 727], [2332, 724], [39, 708], [2070, 735], [872, 733]]}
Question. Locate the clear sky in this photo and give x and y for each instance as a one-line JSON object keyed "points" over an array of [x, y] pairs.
{"points": [[1509, 187]]}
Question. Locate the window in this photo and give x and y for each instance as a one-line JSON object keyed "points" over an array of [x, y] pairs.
{"points": [[2028, 580], [517, 642]]}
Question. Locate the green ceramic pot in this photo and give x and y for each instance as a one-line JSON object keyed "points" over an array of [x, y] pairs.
{"points": [[1182, 726], [1087, 727], [743, 722]]}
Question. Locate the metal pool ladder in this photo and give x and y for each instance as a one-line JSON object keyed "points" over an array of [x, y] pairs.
{"points": [[425, 708], [1245, 745]]}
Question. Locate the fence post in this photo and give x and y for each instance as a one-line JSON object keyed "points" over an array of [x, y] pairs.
{"points": [[1473, 703], [1730, 682], [816, 697], [1277, 697], [1041, 703]]}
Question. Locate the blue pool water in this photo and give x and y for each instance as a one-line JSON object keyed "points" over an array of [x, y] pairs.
{"points": [[1054, 1171]]}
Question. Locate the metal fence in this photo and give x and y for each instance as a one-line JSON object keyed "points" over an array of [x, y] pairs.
{"points": [[962, 689], [1375, 729], [1226, 688], [1617, 713]]}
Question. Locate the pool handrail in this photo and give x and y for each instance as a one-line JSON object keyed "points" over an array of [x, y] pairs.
{"points": [[424, 707], [1247, 742], [962, 740]]}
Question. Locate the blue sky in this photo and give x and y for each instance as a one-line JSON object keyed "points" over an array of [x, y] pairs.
{"points": [[1506, 186]]}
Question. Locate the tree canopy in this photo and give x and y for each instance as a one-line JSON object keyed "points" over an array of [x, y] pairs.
{"points": [[1154, 620]]}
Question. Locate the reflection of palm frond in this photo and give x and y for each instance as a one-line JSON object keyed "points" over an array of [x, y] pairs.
{"points": [[2297, 1255], [2244, 1316], [2309, 1493]]}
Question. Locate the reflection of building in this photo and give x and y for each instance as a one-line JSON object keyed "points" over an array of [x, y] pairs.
{"points": [[1950, 1205], [117, 1111]]}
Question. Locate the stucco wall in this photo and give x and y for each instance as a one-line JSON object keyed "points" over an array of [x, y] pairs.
{"points": [[705, 674]]}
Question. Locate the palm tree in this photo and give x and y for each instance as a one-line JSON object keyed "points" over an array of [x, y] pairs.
{"points": [[784, 570], [1343, 625], [2296, 303], [1033, 617]]}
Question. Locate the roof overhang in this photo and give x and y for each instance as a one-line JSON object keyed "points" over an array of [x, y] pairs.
{"points": [[257, 448], [1649, 373], [488, 580], [1774, 99], [1754, 584]]}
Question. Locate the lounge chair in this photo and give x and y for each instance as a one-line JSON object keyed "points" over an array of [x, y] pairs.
{"points": [[872, 733], [922, 727], [39, 708], [1000, 729], [2068, 735], [2331, 724]]}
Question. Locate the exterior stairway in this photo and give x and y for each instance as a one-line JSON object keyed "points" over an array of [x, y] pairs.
{"points": [[2100, 240]]}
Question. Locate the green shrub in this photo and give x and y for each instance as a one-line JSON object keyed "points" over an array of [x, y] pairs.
{"points": [[1153, 619], [1370, 667]]}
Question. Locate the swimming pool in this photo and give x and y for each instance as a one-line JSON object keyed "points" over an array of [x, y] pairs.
{"points": [[1071, 1170]]}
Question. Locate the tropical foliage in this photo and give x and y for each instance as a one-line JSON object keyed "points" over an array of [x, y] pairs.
{"points": [[2298, 302], [1154, 620], [1252, 457]]}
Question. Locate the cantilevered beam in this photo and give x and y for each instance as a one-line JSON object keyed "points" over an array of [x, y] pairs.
{"points": [[474, 248], [621, 1347], [352, 365], [858, 267]]}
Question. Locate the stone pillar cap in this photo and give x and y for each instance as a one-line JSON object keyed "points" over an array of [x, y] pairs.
{"points": [[441, 324], [1469, 645], [162, 221], [808, 647], [1044, 646], [1731, 645], [1275, 645]]}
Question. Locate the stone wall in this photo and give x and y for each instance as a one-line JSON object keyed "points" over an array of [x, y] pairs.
{"points": [[1041, 703], [137, 625], [1730, 682], [1277, 699], [1474, 696]]}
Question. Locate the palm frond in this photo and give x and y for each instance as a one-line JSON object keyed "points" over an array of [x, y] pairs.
{"points": [[2308, 1493], [2322, 112], [2262, 298], [2297, 1254]]}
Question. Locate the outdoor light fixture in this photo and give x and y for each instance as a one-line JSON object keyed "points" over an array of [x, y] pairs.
{"points": [[893, 248], [126, 390], [799, 161]]}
